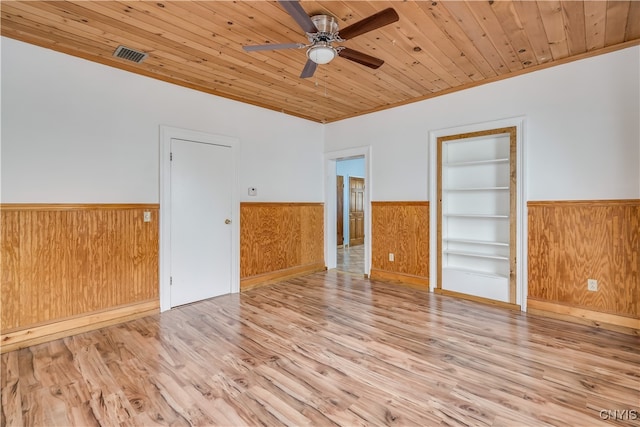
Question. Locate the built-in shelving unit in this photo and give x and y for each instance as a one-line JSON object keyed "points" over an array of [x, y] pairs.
{"points": [[476, 210]]}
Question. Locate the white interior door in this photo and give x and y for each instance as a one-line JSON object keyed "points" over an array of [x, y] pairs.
{"points": [[201, 212]]}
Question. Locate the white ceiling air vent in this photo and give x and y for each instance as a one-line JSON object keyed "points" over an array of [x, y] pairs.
{"points": [[130, 54]]}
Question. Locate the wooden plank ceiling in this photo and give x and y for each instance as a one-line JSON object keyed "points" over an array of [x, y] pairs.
{"points": [[436, 46]]}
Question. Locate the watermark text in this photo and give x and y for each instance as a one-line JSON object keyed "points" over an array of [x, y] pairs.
{"points": [[620, 414]]}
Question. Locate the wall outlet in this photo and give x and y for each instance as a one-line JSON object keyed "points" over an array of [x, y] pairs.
{"points": [[592, 285], [147, 216], [391, 257]]}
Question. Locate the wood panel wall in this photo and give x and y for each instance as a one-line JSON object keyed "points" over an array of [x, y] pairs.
{"points": [[65, 261], [401, 228], [572, 241], [279, 240]]}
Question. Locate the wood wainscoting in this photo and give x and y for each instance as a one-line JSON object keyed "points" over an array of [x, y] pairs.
{"points": [[280, 240], [69, 268], [400, 228], [572, 241]]}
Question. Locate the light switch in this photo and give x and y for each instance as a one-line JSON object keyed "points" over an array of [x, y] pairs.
{"points": [[147, 216]]}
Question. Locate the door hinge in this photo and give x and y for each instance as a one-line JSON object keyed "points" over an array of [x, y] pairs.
{"points": [[170, 156], [170, 280]]}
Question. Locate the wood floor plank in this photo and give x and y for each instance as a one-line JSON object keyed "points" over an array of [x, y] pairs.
{"points": [[144, 395], [327, 349], [11, 395]]}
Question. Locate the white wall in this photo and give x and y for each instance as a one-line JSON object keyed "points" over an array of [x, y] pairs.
{"points": [[582, 131], [78, 132]]}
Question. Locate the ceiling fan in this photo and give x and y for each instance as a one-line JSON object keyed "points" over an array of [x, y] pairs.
{"points": [[322, 32]]}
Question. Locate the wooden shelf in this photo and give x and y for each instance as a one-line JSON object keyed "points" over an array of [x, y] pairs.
{"points": [[478, 216], [477, 189], [475, 255], [476, 272], [476, 162], [476, 242]]}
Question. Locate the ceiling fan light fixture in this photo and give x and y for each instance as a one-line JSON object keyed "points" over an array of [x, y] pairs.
{"points": [[321, 53]]}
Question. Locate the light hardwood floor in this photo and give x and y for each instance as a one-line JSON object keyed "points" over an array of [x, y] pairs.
{"points": [[327, 349], [350, 259]]}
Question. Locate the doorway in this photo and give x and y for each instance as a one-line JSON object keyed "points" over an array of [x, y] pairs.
{"points": [[331, 160], [350, 215], [199, 216]]}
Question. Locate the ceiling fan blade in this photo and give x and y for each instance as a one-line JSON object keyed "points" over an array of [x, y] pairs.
{"points": [[296, 11], [360, 58], [309, 69], [377, 20], [270, 46]]}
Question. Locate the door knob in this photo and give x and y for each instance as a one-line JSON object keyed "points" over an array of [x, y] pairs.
{"points": [[227, 221]]}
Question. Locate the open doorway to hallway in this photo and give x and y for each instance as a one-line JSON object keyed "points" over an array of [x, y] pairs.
{"points": [[350, 179]]}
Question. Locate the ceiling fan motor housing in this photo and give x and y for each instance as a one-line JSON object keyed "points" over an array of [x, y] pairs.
{"points": [[325, 24], [321, 51]]}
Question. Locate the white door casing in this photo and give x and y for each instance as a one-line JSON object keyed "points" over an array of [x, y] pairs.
{"points": [[198, 193]]}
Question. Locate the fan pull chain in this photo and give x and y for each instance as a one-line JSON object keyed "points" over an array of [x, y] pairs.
{"points": [[325, 86]]}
